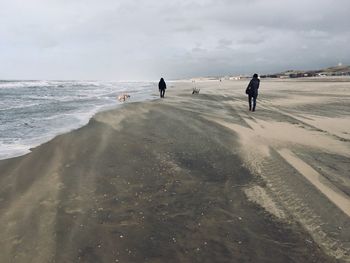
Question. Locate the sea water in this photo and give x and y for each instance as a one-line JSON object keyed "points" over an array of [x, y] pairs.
{"points": [[33, 112]]}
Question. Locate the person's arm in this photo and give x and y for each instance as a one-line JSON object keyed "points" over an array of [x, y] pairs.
{"points": [[247, 90], [258, 84], [250, 83]]}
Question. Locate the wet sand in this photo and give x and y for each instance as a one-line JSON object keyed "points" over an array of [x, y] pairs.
{"points": [[189, 178]]}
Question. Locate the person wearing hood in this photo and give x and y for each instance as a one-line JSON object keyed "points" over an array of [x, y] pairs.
{"points": [[252, 91]]}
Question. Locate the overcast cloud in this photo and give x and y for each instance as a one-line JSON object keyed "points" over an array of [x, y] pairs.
{"points": [[145, 39]]}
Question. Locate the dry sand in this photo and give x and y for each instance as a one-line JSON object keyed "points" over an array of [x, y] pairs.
{"points": [[189, 178]]}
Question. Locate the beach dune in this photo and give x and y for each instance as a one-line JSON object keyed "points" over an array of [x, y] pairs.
{"points": [[189, 178]]}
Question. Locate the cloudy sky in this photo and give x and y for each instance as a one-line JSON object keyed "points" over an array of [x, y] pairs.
{"points": [[145, 39]]}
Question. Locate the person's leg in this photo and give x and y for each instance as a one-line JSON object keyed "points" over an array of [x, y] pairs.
{"points": [[163, 93], [254, 102], [250, 102]]}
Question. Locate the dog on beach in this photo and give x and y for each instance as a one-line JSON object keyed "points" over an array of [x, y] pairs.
{"points": [[123, 97], [195, 91]]}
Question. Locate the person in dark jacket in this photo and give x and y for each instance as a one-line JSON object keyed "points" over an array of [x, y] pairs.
{"points": [[162, 87], [252, 91]]}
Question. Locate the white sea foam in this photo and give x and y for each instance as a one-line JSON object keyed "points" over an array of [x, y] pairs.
{"points": [[13, 150]]}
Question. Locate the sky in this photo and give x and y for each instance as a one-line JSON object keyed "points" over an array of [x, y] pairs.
{"points": [[146, 39]]}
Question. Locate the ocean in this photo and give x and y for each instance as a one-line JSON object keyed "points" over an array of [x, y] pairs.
{"points": [[33, 112]]}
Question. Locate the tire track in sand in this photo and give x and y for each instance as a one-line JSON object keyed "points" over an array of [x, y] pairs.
{"points": [[320, 217], [325, 222]]}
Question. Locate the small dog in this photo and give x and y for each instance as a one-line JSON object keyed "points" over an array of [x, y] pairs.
{"points": [[195, 91], [123, 97]]}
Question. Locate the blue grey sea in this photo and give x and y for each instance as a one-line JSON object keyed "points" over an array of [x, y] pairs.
{"points": [[33, 112]]}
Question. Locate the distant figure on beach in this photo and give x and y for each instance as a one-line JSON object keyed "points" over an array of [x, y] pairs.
{"points": [[162, 87], [196, 91], [252, 91]]}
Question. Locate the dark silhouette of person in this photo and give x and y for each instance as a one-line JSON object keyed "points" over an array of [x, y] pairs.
{"points": [[252, 91], [162, 87]]}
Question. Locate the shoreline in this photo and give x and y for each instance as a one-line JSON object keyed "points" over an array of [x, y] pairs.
{"points": [[190, 178], [24, 148]]}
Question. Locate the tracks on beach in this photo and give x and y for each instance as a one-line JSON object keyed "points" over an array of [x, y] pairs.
{"points": [[326, 223], [307, 205]]}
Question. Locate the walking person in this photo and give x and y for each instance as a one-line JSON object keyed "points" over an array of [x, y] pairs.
{"points": [[252, 91], [162, 87]]}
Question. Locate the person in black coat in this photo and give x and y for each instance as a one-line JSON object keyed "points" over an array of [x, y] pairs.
{"points": [[252, 91], [162, 87]]}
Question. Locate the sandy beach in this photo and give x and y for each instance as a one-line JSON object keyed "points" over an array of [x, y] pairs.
{"points": [[190, 178]]}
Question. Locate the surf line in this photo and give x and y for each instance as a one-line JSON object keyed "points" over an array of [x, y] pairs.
{"points": [[339, 199]]}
